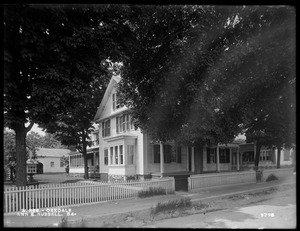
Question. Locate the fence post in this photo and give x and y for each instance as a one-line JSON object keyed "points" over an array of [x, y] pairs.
{"points": [[189, 184], [173, 184]]}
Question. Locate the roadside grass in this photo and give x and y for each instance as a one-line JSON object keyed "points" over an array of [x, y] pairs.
{"points": [[171, 205], [151, 192], [64, 223], [249, 194], [271, 177], [264, 192], [201, 205]]}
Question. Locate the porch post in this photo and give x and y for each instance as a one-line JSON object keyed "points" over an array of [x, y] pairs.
{"points": [[162, 170], [193, 159], [254, 152], [230, 159], [187, 157], [94, 167], [218, 159], [238, 159]]}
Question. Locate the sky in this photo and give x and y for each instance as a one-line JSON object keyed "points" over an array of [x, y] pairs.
{"points": [[35, 128]]}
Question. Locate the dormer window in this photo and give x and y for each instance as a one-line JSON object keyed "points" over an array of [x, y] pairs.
{"points": [[115, 103]]}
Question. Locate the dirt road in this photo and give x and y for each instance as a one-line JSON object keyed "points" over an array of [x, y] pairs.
{"points": [[274, 208]]}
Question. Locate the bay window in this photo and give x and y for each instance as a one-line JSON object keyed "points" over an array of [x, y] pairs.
{"points": [[130, 153]]}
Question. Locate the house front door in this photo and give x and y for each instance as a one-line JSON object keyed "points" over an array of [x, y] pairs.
{"points": [[234, 157]]}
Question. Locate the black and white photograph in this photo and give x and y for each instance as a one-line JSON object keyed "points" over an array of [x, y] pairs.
{"points": [[149, 116]]}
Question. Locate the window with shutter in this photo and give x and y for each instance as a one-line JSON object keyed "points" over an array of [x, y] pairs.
{"points": [[208, 155], [156, 153]]}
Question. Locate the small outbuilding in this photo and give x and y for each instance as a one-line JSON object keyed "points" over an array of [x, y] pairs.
{"points": [[52, 159]]}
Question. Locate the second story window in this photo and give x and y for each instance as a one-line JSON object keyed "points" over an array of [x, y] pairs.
{"points": [[124, 123], [106, 128], [115, 103]]}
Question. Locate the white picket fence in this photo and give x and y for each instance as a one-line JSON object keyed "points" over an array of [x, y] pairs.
{"points": [[57, 195]]}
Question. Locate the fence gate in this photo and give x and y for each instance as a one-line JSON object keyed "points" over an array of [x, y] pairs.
{"points": [[181, 182]]}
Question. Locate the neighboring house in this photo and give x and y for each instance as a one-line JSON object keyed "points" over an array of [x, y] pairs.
{"points": [[52, 160], [76, 158], [287, 157], [267, 158]]}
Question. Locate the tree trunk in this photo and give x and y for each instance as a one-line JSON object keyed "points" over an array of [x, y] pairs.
{"points": [[84, 153], [256, 160], [294, 159], [21, 175], [278, 156]]}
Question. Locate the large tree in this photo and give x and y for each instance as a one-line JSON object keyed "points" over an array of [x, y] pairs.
{"points": [[49, 141], [252, 84], [206, 73], [158, 84], [176, 46], [34, 141], [74, 125], [9, 146], [50, 54]]}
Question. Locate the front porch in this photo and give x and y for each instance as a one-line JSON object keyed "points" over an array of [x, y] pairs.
{"points": [[76, 164], [195, 160]]}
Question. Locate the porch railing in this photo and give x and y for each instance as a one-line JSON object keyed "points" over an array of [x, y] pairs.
{"points": [[196, 182]]}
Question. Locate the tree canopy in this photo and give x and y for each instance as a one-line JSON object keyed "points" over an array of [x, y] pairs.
{"points": [[219, 77], [51, 54]]}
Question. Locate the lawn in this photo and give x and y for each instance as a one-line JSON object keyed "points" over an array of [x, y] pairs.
{"points": [[50, 178], [55, 178]]}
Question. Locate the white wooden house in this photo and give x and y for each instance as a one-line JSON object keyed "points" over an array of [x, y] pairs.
{"points": [[122, 152], [126, 152]]}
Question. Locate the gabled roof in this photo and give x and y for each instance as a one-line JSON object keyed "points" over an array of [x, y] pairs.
{"points": [[32, 161], [88, 151], [115, 79], [52, 152]]}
